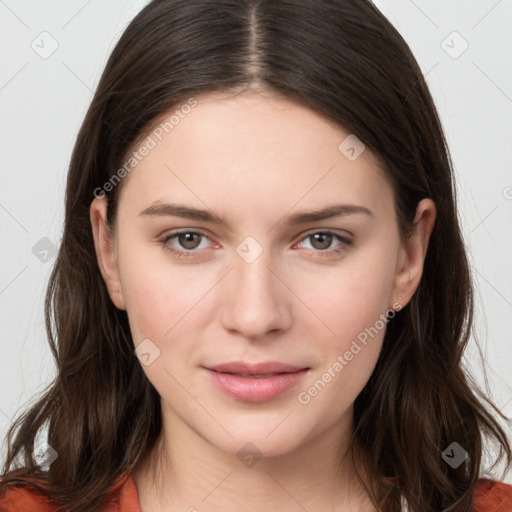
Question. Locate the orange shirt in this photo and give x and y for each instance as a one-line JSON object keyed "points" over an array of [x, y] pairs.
{"points": [[490, 496]]}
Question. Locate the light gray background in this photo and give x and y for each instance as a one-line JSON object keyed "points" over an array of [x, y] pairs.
{"points": [[43, 99]]}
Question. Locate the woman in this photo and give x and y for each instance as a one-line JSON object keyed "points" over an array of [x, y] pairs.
{"points": [[261, 298]]}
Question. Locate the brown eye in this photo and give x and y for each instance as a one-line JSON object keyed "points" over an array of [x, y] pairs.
{"points": [[186, 240], [321, 240], [184, 243], [322, 243]]}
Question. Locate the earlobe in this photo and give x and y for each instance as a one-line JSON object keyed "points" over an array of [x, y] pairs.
{"points": [[413, 252], [105, 251]]}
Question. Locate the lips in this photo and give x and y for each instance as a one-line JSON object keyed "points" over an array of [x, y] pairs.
{"points": [[264, 376], [258, 382], [257, 370]]}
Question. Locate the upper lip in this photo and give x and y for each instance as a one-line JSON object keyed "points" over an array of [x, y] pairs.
{"points": [[263, 368]]}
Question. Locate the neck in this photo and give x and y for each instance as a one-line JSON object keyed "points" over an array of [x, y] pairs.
{"points": [[185, 472]]}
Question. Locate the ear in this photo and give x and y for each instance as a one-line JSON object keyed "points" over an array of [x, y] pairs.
{"points": [[106, 252], [413, 252]]}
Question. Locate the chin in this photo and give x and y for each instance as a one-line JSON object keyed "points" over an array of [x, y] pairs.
{"points": [[258, 441]]}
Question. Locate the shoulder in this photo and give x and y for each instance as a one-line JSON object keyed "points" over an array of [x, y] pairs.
{"points": [[492, 496], [19, 498], [28, 498]]}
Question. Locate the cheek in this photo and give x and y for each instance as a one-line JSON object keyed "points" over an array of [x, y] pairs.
{"points": [[158, 301], [163, 304], [352, 297], [353, 305], [149, 288]]}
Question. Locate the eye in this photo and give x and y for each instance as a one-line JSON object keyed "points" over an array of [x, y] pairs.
{"points": [[191, 240], [322, 240]]}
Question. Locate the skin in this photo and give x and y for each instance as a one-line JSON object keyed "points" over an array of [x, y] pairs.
{"points": [[253, 159]]}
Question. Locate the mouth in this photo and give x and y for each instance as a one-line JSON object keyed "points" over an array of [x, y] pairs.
{"points": [[249, 369], [255, 387], [255, 376]]}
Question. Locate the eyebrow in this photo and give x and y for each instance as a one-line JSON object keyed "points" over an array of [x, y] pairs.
{"points": [[186, 212]]}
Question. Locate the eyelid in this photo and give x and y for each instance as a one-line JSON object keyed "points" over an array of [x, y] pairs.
{"points": [[341, 233], [332, 252], [348, 237], [172, 234]]}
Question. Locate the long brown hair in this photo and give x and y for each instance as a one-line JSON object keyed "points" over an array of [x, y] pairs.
{"points": [[344, 60]]}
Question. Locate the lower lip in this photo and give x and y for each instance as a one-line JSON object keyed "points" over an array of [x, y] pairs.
{"points": [[250, 389]]}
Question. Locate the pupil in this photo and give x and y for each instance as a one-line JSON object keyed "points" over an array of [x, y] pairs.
{"points": [[323, 235], [189, 240]]}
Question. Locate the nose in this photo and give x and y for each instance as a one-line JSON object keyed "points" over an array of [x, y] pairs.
{"points": [[257, 299]]}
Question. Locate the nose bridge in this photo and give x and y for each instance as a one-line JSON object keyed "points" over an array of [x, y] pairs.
{"points": [[256, 299]]}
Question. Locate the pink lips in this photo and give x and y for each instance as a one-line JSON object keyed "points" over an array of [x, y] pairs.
{"points": [[255, 382]]}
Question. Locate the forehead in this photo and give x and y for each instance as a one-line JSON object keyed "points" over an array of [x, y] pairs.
{"points": [[256, 149]]}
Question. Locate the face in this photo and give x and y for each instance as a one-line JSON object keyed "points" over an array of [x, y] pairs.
{"points": [[249, 281]]}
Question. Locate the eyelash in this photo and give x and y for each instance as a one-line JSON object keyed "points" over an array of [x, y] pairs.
{"points": [[190, 253]]}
